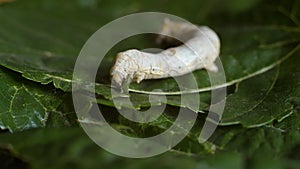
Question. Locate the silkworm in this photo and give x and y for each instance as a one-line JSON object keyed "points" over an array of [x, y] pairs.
{"points": [[176, 61]]}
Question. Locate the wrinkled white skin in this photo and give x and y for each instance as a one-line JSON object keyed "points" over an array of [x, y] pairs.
{"points": [[171, 62]]}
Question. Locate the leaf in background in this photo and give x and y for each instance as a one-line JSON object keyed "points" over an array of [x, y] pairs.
{"points": [[70, 147], [249, 94], [277, 105], [264, 145], [254, 148], [25, 104], [189, 145]]}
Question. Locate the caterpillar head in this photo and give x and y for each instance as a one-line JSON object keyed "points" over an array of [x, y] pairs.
{"points": [[124, 68]]}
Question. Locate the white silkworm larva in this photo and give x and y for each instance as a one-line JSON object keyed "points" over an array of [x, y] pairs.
{"points": [[172, 62]]}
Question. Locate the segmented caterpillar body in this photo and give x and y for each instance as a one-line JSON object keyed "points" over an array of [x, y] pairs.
{"points": [[200, 49]]}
